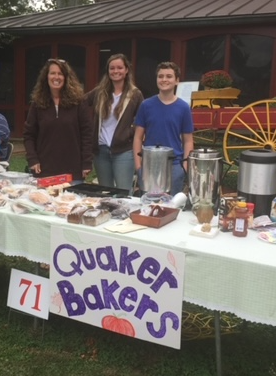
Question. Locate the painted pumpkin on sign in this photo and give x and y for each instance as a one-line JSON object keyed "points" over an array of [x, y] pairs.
{"points": [[118, 325]]}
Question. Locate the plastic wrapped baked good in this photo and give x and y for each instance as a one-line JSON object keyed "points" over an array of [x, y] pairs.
{"points": [[39, 197], [76, 213], [95, 217]]}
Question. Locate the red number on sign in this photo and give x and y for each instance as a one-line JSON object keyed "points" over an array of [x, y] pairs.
{"points": [[38, 293], [28, 283], [37, 299]]}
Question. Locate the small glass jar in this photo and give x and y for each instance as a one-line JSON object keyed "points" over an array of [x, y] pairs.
{"points": [[241, 219]]}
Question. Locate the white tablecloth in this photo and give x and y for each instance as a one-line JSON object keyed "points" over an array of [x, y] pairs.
{"points": [[224, 273]]}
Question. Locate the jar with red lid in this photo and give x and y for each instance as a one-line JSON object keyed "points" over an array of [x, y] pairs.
{"points": [[241, 219]]}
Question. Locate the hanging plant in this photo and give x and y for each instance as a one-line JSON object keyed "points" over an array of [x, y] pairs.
{"points": [[216, 79]]}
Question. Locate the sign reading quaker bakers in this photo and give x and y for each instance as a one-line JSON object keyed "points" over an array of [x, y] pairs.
{"points": [[116, 284]]}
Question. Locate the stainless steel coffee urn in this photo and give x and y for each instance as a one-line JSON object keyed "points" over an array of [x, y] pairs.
{"points": [[257, 179], [157, 168], [204, 176]]}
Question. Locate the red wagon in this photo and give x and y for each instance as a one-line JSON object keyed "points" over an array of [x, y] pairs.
{"points": [[250, 127]]}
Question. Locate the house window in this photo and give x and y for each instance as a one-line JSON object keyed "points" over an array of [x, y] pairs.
{"points": [[112, 47], [35, 59], [6, 75], [250, 66], [76, 57], [204, 54], [150, 52]]}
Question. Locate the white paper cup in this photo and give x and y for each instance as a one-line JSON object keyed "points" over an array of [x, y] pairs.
{"points": [[179, 200]]}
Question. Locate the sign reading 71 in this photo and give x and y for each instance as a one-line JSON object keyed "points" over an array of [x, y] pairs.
{"points": [[29, 293]]}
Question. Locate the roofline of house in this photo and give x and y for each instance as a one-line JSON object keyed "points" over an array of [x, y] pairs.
{"points": [[141, 25]]}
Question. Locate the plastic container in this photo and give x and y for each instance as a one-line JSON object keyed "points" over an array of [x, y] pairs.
{"points": [[241, 220], [250, 207], [15, 177]]}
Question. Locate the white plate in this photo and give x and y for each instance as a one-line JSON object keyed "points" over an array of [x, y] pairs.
{"points": [[268, 236]]}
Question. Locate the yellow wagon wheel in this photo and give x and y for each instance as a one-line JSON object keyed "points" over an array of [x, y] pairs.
{"points": [[253, 127]]}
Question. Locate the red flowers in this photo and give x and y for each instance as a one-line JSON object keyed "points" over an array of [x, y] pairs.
{"points": [[216, 79]]}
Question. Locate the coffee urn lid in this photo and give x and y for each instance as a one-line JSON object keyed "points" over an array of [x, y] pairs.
{"points": [[259, 156], [157, 148], [205, 153]]}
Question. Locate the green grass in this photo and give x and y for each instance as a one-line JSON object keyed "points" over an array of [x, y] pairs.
{"points": [[70, 348]]}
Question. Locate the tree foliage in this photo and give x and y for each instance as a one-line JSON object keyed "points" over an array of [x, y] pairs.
{"points": [[10, 8], [55, 4], [14, 7]]}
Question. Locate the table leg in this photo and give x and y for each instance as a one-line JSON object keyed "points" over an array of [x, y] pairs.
{"points": [[218, 342]]}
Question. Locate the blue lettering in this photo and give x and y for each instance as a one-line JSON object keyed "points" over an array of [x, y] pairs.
{"points": [[127, 293], [165, 276], [126, 260], [88, 262], [145, 304], [95, 293], [150, 265], [76, 266], [162, 330], [108, 290], [109, 254], [70, 299]]}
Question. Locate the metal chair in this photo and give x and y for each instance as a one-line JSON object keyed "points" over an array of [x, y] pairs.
{"points": [[9, 153], [4, 162]]}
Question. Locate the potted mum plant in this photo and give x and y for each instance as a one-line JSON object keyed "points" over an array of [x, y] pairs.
{"points": [[216, 79]]}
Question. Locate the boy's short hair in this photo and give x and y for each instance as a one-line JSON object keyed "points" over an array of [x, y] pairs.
{"points": [[169, 65]]}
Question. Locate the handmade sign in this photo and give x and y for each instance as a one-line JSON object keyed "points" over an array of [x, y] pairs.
{"points": [[29, 293], [127, 287]]}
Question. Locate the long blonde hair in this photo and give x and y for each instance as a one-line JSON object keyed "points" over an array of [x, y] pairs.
{"points": [[105, 89]]}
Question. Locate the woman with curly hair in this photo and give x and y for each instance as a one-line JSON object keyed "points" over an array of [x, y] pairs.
{"points": [[115, 102], [58, 130]]}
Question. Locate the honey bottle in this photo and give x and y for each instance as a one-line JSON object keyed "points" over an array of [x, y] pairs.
{"points": [[241, 219]]}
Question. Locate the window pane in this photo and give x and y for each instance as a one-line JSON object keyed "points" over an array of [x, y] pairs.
{"points": [[150, 52], [6, 75], [76, 57], [251, 58], [204, 54], [35, 59], [108, 48]]}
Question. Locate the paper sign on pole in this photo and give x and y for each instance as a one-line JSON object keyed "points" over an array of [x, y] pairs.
{"points": [[29, 293], [184, 90]]}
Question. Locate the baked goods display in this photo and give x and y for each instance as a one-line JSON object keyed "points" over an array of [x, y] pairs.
{"points": [[70, 206]]}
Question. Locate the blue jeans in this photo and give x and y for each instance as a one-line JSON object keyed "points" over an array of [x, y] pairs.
{"points": [[114, 170], [177, 181], [178, 175]]}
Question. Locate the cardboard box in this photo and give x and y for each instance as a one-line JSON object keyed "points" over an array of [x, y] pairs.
{"points": [[227, 213], [54, 180]]}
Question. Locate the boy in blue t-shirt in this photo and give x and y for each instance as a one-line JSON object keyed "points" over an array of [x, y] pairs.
{"points": [[4, 136], [165, 120]]}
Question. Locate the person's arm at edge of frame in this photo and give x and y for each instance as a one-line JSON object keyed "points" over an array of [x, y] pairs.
{"points": [[86, 138], [137, 146], [188, 145]]}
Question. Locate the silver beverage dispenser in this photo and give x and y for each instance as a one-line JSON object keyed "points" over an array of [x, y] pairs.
{"points": [[157, 168], [257, 179], [205, 168], [156, 171]]}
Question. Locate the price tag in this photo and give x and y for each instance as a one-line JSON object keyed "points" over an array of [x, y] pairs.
{"points": [[29, 293]]}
